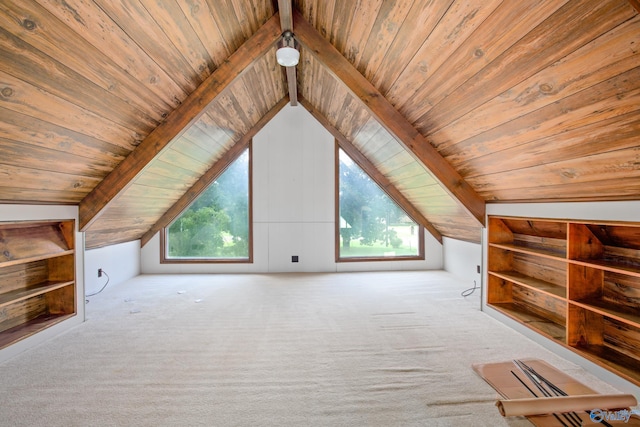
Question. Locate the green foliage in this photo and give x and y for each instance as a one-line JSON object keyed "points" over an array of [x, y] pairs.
{"points": [[198, 233], [216, 225], [394, 240], [367, 210]]}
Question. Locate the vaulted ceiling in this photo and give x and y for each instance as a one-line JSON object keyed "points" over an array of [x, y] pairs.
{"points": [[128, 108]]}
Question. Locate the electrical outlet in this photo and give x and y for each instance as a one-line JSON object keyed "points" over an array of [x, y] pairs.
{"points": [[294, 258], [99, 272]]}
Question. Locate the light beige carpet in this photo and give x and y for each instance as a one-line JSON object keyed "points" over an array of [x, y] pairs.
{"points": [[353, 349]]}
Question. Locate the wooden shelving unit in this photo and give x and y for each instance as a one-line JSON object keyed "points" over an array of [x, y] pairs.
{"points": [[575, 282], [37, 277]]}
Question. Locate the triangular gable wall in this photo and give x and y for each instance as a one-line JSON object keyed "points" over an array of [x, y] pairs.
{"points": [[293, 205], [217, 168]]}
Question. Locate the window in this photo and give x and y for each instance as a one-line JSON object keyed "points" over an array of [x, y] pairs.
{"points": [[371, 226], [216, 226]]}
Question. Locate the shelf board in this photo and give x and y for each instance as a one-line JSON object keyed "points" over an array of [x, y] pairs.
{"points": [[36, 258], [530, 251], [31, 327], [23, 294], [532, 320], [609, 358], [615, 267], [532, 283], [609, 309]]}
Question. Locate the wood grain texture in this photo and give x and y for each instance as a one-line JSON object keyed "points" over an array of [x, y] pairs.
{"points": [[93, 24], [550, 46], [545, 269], [527, 101], [39, 28], [390, 118], [601, 59], [442, 63], [541, 304], [292, 85], [177, 122], [286, 18], [37, 276], [380, 179], [210, 175]]}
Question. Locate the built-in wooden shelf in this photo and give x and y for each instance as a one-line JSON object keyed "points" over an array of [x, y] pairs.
{"points": [[37, 277], [9, 298], [613, 266], [533, 283], [533, 320], [8, 263], [533, 251], [623, 365], [611, 309], [31, 327], [575, 282]]}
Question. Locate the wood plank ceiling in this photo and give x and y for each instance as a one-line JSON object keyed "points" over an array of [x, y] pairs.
{"points": [[122, 106]]}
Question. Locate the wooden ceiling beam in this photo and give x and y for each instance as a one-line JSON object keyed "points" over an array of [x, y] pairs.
{"points": [[292, 83], [364, 163], [386, 114], [286, 23], [286, 15], [212, 174], [123, 175]]}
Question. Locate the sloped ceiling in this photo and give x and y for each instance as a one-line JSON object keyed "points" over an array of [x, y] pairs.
{"points": [[123, 106]]}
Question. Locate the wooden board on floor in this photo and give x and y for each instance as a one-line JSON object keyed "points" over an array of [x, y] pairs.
{"points": [[499, 376]]}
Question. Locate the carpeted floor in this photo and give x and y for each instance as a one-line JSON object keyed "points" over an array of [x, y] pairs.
{"points": [[352, 349]]}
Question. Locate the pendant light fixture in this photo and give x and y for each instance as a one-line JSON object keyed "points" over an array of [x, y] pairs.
{"points": [[287, 53]]}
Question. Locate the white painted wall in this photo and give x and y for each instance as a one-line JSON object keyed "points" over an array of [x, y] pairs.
{"points": [[462, 259], [294, 191], [120, 262], [600, 211], [293, 207], [48, 212]]}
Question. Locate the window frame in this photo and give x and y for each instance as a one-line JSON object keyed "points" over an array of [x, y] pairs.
{"points": [[338, 258], [165, 259]]}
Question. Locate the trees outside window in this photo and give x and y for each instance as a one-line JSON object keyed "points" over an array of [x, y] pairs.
{"points": [[216, 226], [371, 225]]}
